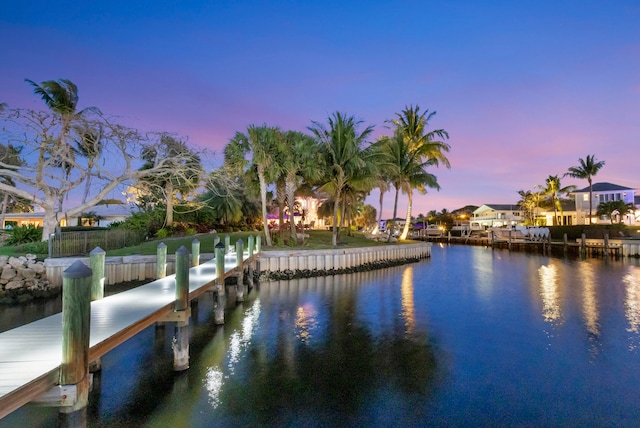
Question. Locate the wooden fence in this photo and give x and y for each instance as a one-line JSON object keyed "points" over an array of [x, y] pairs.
{"points": [[78, 243]]}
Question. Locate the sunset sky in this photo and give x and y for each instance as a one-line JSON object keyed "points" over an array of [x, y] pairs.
{"points": [[524, 88]]}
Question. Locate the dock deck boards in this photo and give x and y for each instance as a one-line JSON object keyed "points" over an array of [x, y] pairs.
{"points": [[30, 355]]}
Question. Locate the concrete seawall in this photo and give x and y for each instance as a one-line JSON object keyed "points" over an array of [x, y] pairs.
{"points": [[139, 268]]}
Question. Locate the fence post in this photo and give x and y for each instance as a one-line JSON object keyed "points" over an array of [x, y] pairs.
{"points": [[195, 252], [76, 319], [219, 304], [181, 304], [161, 261], [240, 270]]}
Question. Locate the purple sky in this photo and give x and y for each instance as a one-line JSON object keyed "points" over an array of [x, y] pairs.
{"points": [[524, 88]]}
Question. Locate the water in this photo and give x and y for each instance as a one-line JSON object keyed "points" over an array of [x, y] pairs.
{"points": [[471, 337]]}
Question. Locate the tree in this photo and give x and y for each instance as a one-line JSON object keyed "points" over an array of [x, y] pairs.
{"points": [[38, 179], [585, 171], [10, 155], [298, 158], [342, 149], [423, 150], [553, 191], [529, 202], [61, 97], [615, 208], [176, 185], [261, 143]]}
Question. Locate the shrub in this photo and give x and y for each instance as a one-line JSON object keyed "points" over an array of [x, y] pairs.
{"points": [[190, 231], [24, 234], [162, 233]]}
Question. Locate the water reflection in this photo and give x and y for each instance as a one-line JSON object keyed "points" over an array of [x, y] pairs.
{"points": [[586, 273], [549, 293], [408, 309], [632, 304]]}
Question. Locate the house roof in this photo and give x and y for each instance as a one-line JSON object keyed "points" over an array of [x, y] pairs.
{"points": [[499, 207], [603, 187]]}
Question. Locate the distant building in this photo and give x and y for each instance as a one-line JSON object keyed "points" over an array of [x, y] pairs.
{"points": [[603, 192], [497, 215], [104, 216]]}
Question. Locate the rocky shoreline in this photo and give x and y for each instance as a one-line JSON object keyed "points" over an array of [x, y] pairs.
{"points": [[23, 279]]}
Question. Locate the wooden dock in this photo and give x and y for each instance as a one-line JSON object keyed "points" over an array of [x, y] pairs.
{"points": [[31, 355]]}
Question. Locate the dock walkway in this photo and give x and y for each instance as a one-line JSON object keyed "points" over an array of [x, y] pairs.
{"points": [[30, 355]]}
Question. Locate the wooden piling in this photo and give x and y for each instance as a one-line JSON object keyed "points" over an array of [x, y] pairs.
{"points": [[227, 244], [239, 271], [583, 245], [181, 337], [195, 252], [97, 261], [161, 262], [76, 320], [250, 267], [258, 243], [219, 304]]}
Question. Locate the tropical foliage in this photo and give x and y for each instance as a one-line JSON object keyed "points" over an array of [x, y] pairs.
{"points": [[587, 168]]}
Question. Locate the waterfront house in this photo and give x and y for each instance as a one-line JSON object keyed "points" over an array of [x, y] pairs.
{"points": [[497, 215], [604, 192]]}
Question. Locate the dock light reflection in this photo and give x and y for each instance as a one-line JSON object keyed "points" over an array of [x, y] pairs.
{"points": [[238, 343], [589, 299]]}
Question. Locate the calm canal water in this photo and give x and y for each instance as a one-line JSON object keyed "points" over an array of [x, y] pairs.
{"points": [[470, 337]]}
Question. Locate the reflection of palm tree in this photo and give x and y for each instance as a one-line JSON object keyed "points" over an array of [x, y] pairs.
{"points": [[333, 377]]}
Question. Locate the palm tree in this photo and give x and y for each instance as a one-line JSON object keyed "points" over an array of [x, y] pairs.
{"points": [[261, 142], [298, 156], [61, 97], [612, 208], [529, 203], [411, 125], [553, 190], [343, 155], [586, 170]]}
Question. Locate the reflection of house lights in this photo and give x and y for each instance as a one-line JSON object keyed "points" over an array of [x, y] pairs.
{"points": [[589, 299], [408, 308], [632, 301], [549, 293], [305, 322]]}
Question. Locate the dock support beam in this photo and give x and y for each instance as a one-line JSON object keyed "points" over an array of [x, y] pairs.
{"points": [[219, 303], [97, 263], [239, 271], [180, 343], [76, 317]]}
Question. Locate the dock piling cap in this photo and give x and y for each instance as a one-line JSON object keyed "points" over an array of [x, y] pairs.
{"points": [[220, 245], [77, 270], [182, 250]]}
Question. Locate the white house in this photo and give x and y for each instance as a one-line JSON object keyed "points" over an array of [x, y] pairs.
{"points": [[604, 192], [497, 215]]}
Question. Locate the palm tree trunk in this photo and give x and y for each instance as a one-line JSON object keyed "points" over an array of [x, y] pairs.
{"points": [[263, 199], [395, 212], [290, 191], [336, 207], [405, 231]]}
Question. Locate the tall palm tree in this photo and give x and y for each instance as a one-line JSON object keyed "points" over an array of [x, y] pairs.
{"points": [[411, 125], [61, 97], [342, 151], [261, 142], [553, 190], [298, 156], [585, 171]]}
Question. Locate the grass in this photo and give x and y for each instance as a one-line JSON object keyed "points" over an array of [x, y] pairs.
{"points": [[318, 240]]}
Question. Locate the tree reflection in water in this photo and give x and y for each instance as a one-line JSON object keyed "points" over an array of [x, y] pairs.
{"points": [[337, 379]]}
